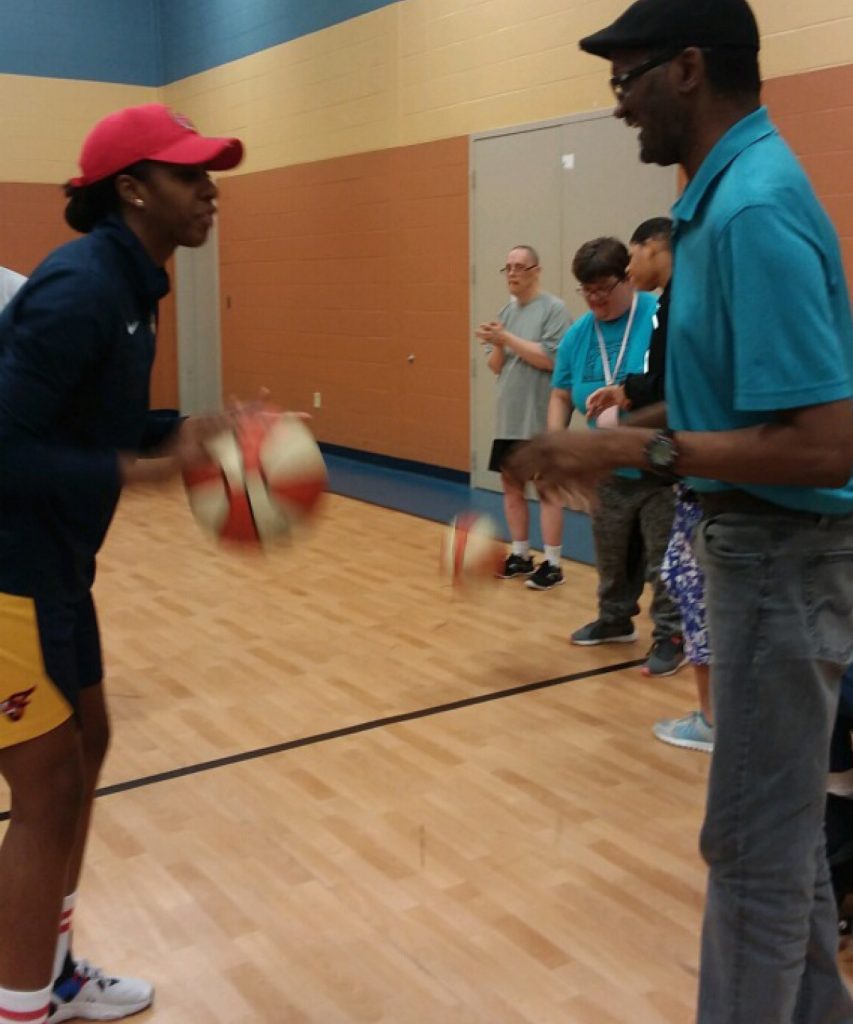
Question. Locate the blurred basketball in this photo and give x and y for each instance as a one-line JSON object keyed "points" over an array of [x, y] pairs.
{"points": [[263, 478], [470, 549]]}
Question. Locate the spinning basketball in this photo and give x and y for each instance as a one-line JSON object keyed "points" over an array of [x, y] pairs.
{"points": [[470, 549], [264, 476]]}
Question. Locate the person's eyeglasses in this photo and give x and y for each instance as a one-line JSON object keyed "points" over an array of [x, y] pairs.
{"points": [[620, 83], [517, 268], [599, 292]]}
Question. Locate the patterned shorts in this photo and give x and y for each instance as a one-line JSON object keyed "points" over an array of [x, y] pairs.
{"points": [[684, 579]]}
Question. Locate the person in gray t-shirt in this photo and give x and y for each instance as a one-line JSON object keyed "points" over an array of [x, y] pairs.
{"points": [[521, 344]]}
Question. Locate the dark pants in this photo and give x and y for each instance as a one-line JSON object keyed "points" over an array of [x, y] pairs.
{"points": [[631, 526]]}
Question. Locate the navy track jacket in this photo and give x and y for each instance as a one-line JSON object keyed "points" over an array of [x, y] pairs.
{"points": [[76, 350]]}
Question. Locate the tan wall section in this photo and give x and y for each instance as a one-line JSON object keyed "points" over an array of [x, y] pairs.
{"points": [[422, 70], [43, 121], [333, 273]]}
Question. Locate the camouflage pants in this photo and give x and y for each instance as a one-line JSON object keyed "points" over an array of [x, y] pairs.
{"points": [[631, 527]]}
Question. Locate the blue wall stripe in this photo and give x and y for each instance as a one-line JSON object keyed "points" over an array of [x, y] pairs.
{"points": [[154, 42], [431, 498], [92, 40], [197, 35]]}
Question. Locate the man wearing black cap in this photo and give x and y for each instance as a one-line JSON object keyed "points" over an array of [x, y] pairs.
{"points": [[759, 380]]}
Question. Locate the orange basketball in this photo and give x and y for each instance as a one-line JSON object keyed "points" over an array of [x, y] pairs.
{"points": [[264, 476], [470, 549]]}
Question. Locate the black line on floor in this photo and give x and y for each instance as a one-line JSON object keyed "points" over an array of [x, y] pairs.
{"points": [[352, 730]]}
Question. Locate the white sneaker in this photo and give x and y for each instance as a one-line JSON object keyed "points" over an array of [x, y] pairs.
{"points": [[89, 994]]}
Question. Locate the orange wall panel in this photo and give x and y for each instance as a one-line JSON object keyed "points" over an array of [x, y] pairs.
{"points": [[31, 225], [814, 112], [334, 274]]}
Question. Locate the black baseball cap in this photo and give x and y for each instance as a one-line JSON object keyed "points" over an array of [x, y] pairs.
{"points": [[659, 24]]}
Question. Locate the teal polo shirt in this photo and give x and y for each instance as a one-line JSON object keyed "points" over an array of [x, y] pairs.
{"points": [[760, 316], [578, 367]]}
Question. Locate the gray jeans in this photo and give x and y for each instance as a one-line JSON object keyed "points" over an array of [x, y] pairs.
{"points": [[779, 591], [631, 527]]}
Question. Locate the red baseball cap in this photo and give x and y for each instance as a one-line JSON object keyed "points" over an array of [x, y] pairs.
{"points": [[150, 132]]}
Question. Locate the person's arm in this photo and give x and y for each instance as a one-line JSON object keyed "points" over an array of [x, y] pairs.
{"points": [[642, 389], [532, 352], [559, 409], [807, 447], [650, 416], [52, 336], [496, 358], [486, 335]]}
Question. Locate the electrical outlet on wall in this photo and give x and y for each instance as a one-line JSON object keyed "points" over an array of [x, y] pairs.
{"points": [[318, 400]]}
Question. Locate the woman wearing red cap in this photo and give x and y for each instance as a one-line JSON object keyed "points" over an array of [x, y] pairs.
{"points": [[76, 348]]}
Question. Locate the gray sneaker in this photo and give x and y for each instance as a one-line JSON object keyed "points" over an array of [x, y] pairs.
{"points": [[665, 658], [603, 632]]}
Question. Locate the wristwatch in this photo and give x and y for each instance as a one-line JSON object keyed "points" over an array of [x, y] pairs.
{"points": [[661, 455]]}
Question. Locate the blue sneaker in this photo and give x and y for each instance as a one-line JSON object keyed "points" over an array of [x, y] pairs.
{"points": [[691, 732]]}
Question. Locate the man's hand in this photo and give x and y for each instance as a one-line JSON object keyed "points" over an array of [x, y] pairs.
{"points": [[564, 465], [490, 333]]}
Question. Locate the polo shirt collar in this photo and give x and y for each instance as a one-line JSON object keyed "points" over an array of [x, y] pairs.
{"points": [[739, 137]]}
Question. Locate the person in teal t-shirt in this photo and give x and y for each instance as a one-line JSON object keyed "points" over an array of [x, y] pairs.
{"points": [[633, 516]]}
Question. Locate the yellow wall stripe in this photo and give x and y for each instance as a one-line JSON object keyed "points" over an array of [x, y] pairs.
{"points": [[44, 120], [411, 72]]}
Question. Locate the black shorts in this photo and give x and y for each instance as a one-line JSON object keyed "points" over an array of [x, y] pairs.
{"points": [[49, 651], [501, 449]]}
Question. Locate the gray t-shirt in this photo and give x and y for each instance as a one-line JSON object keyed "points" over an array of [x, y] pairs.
{"points": [[10, 282], [523, 391]]}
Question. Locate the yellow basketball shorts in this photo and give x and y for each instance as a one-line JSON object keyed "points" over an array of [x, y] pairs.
{"points": [[49, 651]]}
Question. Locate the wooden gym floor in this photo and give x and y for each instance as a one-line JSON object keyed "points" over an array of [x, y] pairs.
{"points": [[353, 807]]}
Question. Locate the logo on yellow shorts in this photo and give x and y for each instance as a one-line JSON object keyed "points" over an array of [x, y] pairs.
{"points": [[14, 706]]}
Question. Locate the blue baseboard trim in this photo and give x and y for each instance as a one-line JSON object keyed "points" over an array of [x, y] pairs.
{"points": [[439, 499], [458, 476]]}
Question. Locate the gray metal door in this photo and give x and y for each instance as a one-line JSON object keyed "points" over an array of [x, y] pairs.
{"points": [[516, 199], [554, 186], [198, 327]]}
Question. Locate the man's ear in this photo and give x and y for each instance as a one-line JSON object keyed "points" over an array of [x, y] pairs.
{"points": [[690, 69]]}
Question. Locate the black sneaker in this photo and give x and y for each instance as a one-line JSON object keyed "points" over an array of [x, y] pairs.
{"points": [[666, 657], [516, 565], [546, 577], [602, 632]]}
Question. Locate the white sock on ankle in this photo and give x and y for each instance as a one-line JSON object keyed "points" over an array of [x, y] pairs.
{"points": [[63, 943], [16, 1006]]}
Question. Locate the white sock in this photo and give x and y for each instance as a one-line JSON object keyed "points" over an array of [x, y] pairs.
{"points": [[521, 548], [553, 553], [63, 943], [29, 1006]]}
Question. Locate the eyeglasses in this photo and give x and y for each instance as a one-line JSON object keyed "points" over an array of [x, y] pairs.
{"points": [[599, 293], [619, 83], [516, 268]]}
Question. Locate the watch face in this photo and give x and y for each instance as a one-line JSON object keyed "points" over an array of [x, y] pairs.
{"points": [[661, 453]]}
